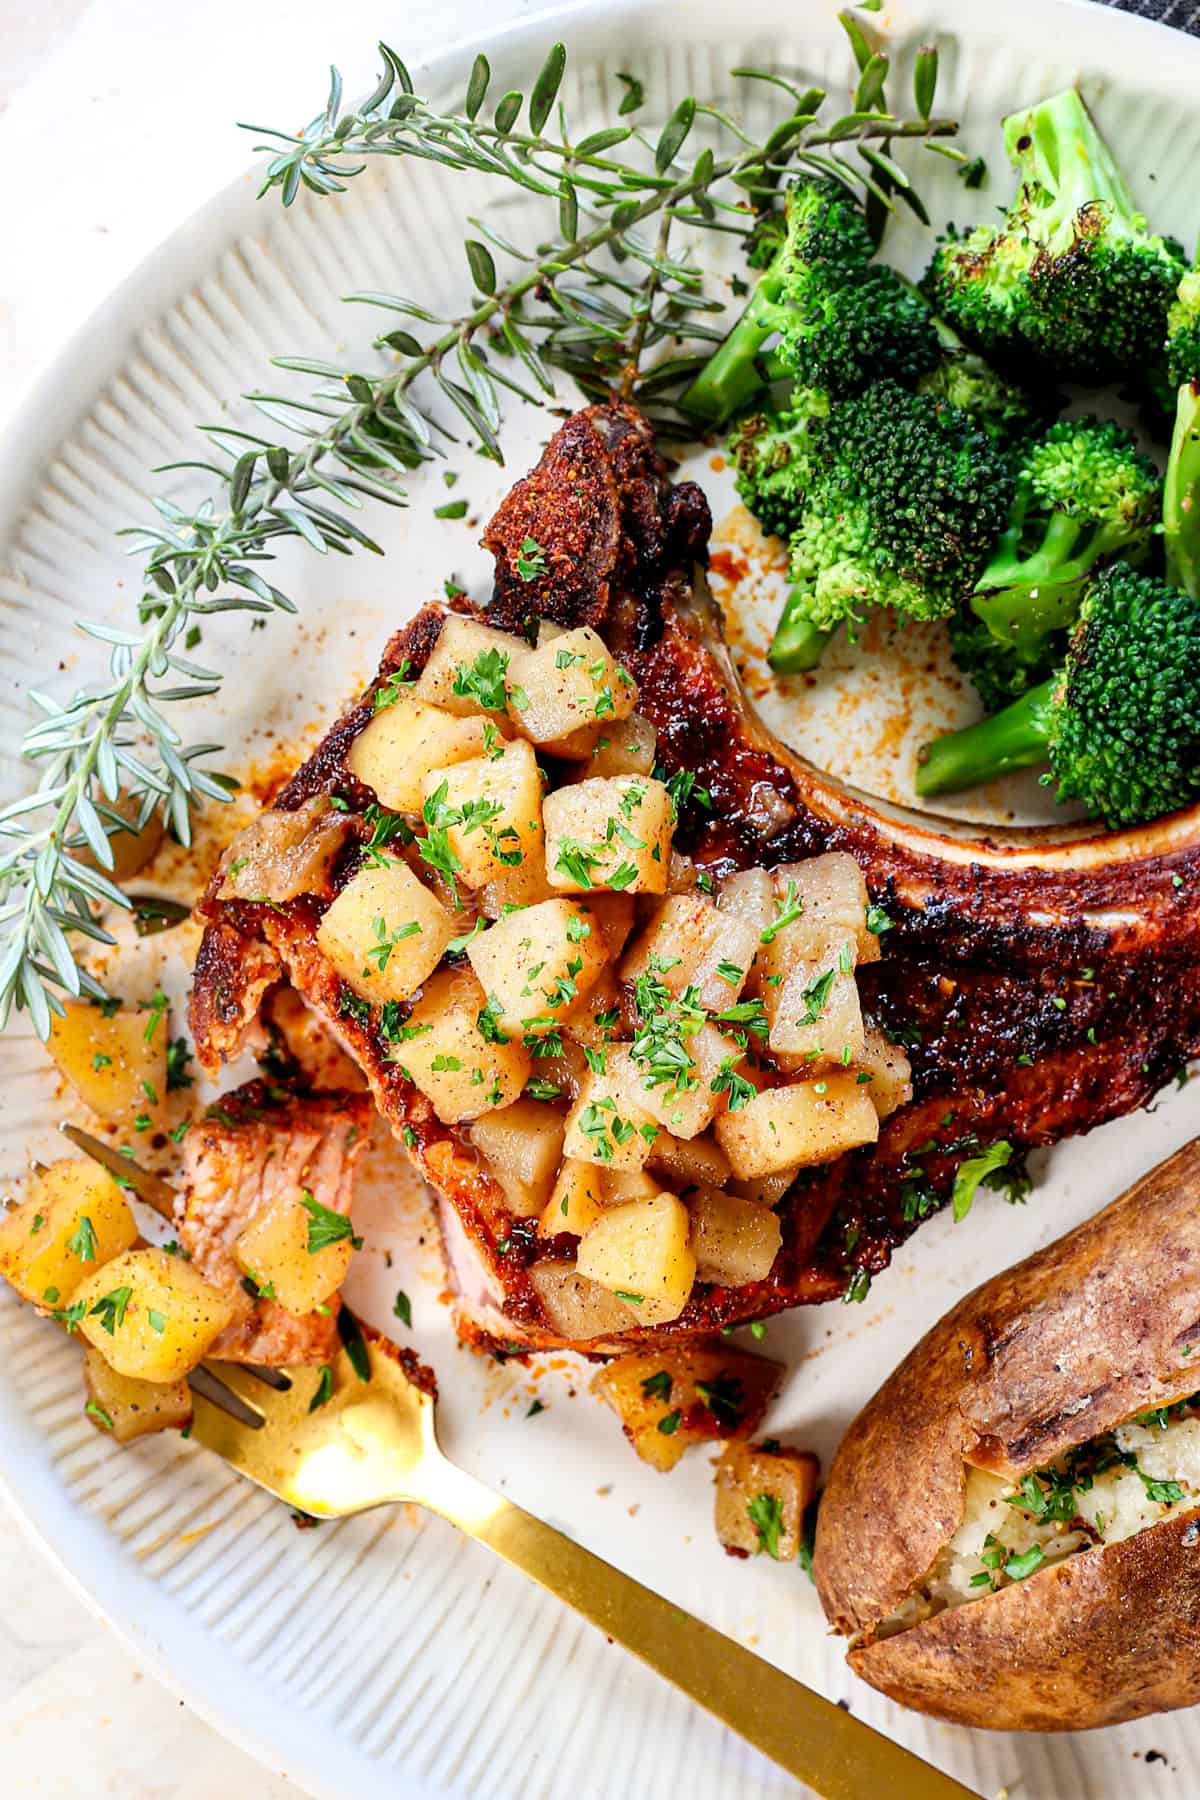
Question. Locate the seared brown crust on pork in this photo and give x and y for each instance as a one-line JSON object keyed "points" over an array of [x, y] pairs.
{"points": [[1041, 983], [255, 1144], [1073, 1341]]}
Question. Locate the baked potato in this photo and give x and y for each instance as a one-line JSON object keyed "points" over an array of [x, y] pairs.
{"points": [[1010, 1533]]}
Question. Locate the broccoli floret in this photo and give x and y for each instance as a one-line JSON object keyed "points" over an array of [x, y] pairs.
{"points": [[1085, 494], [905, 500], [963, 378], [1000, 672], [1183, 331], [841, 320], [1181, 494], [1071, 276], [770, 452], [1119, 723]]}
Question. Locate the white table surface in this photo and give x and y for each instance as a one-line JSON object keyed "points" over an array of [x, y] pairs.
{"points": [[116, 120]]}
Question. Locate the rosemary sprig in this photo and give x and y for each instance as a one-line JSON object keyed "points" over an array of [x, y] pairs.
{"points": [[597, 298]]}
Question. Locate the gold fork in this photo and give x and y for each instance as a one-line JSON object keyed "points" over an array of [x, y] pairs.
{"points": [[374, 1443]]}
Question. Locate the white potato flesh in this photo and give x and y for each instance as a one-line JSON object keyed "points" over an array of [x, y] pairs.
{"points": [[734, 1241], [609, 834], [576, 1201], [686, 1112], [608, 1124], [799, 1125], [575, 1307], [445, 680], [75, 1220], [835, 905], [385, 932], [568, 682], [397, 748], [621, 747], [151, 1315], [815, 1014], [522, 1146], [889, 1070], [689, 943], [445, 1053], [491, 808], [640, 1252], [689, 1162], [273, 1251], [537, 962]]}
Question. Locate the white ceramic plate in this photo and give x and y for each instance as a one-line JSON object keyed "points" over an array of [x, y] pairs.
{"points": [[387, 1654]]}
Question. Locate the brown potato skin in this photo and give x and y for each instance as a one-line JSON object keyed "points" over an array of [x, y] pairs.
{"points": [[1062, 1347]]}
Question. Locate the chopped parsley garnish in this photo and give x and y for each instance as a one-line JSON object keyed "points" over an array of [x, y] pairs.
{"points": [[324, 1389], [82, 1242], [969, 1174], [178, 1058], [787, 911], [815, 996], [488, 1021], [724, 1398], [326, 1227], [393, 686], [531, 563], [670, 1422], [110, 1308], [576, 861], [877, 920], [766, 1515], [380, 952], [94, 1410], [657, 1387], [485, 680]]}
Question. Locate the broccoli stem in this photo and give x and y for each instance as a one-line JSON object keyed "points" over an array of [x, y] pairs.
{"points": [[732, 376], [1021, 599], [1016, 738], [1181, 495], [798, 644], [1056, 145]]}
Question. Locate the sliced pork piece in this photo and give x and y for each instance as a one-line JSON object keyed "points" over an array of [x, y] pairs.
{"points": [[1042, 981], [257, 1145]]}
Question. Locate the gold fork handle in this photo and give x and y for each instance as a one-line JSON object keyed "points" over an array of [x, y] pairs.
{"points": [[834, 1754]]}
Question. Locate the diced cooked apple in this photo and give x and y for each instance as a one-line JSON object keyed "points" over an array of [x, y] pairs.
{"points": [[612, 833], [669, 1400], [689, 943], [622, 1185], [608, 1124], [522, 1145], [815, 1016], [620, 747], [470, 667], [888, 1071], [491, 810], [151, 1315], [131, 848], [517, 884], [274, 1251], [117, 1064], [804, 1123], [578, 1309], [125, 1408], [614, 914], [762, 1497], [385, 932], [835, 900], [687, 1111], [640, 1252], [568, 682], [734, 1241], [595, 1020], [75, 1220], [576, 1201], [690, 1162], [396, 749], [462, 1072], [767, 1190], [538, 961], [749, 894]]}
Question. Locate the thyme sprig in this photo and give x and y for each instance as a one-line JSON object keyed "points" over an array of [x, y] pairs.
{"points": [[613, 295]]}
